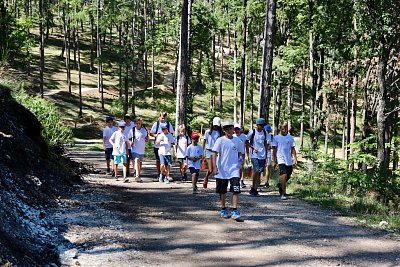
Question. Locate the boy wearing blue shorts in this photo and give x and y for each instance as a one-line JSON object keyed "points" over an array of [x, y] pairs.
{"points": [[108, 148], [165, 140], [120, 150], [227, 162], [194, 154]]}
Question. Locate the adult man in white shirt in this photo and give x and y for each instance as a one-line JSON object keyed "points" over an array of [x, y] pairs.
{"points": [[284, 154]]}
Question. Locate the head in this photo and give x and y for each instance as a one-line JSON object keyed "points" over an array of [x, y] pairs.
{"points": [[195, 138], [283, 128], [268, 128], [181, 129], [260, 122], [216, 123], [163, 116], [138, 122], [127, 119], [109, 121], [164, 127], [237, 128], [121, 126], [227, 127]]}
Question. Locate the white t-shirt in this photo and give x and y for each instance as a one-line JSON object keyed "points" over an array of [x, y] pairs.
{"points": [[128, 133], [195, 152], [269, 141], [284, 144], [228, 150], [211, 138], [153, 130], [139, 143], [258, 142], [119, 140], [242, 138], [182, 144], [165, 144], [107, 132]]}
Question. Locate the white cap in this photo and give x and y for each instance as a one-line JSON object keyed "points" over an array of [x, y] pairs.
{"points": [[216, 121], [227, 123], [237, 125], [121, 124]]}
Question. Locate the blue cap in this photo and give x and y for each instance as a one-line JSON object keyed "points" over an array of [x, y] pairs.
{"points": [[268, 127], [260, 121], [163, 125]]}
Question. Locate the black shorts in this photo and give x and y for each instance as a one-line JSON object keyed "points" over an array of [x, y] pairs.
{"points": [[108, 153], [194, 170], [222, 185], [285, 169], [156, 153], [129, 154]]}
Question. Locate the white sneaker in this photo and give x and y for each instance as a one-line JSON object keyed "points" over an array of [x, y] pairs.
{"points": [[167, 180], [283, 197]]}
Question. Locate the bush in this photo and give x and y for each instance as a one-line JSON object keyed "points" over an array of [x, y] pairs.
{"points": [[54, 132]]}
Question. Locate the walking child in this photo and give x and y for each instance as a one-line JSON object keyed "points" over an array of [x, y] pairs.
{"points": [[139, 136], [108, 148], [194, 154], [128, 127], [210, 136], [270, 138], [182, 143], [120, 150], [164, 141], [284, 154], [238, 133], [226, 160]]}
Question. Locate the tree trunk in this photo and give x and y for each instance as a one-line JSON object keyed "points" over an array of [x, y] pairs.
{"points": [[79, 68], [235, 55], [121, 58], [221, 43], [243, 68], [91, 19], [99, 60], [182, 88], [41, 45], [365, 114], [302, 105], [145, 9], [353, 111], [266, 67], [126, 65]]}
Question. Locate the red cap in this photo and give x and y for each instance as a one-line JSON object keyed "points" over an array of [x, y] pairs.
{"points": [[195, 135]]}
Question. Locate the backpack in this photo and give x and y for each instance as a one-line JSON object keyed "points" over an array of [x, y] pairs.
{"points": [[254, 133], [133, 133]]}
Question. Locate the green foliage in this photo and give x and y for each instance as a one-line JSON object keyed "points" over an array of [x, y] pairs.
{"points": [[54, 132], [117, 107]]}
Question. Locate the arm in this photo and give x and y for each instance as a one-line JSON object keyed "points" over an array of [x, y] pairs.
{"points": [[294, 155], [104, 142], [159, 140], [274, 156], [214, 162]]}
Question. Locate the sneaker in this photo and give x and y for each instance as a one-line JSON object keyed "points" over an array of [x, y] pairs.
{"points": [[242, 184], [253, 192], [205, 182], [280, 189], [108, 172], [235, 214], [195, 190], [126, 180], [166, 179], [161, 179], [266, 185], [283, 197], [224, 214], [138, 179], [116, 178]]}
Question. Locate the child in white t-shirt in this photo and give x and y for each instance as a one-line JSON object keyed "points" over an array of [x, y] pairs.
{"points": [[284, 154], [128, 127], [182, 143], [238, 133], [227, 162], [120, 150], [165, 140], [108, 148], [194, 154], [138, 136], [210, 136]]}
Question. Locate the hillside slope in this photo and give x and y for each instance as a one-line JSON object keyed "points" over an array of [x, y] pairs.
{"points": [[31, 179]]}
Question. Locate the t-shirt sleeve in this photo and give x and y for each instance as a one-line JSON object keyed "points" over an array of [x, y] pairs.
{"points": [[240, 145], [187, 153], [130, 134], [274, 143], [112, 138], [171, 128], [153, 129], [248, 137], [293, 142]]}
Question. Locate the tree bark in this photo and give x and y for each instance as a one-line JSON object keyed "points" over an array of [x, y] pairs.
{"points": [[243, 68], [41, 46], [235, 55], [79, 68], [302, 105], [221, 43]]}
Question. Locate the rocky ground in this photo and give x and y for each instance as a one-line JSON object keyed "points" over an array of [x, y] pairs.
{"points": [[111, 223]]}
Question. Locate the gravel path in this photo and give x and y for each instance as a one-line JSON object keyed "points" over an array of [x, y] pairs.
{"points": [[112, 223]]}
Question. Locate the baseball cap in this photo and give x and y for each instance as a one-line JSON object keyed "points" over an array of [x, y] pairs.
{"points": [[127, 116], [226, 123], [237, 125], [268, 127], [121, 124], [109, 119], [216, 121], [260, 121], [163, 125], [195, 135]]}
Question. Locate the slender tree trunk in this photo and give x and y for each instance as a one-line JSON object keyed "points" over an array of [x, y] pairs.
{"points": [[99, 63], [79, 68], [121, 58], [221, 43], [302, 105], [365, 112], [353, 111], [68, 57], [41, 25], [235, 55], [145, 10], [266, 67], [91, 19], [243, 68]]}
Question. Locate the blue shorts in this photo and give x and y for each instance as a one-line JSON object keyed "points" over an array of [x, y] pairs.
{"points": [[258, 164], [165, 159], [119, 159], [209, 153]]}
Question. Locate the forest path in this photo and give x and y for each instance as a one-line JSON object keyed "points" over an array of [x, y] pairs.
{"points": [[111, 223]]}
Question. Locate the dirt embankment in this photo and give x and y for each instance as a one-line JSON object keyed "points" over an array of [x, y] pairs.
{"points": [[31, 180]]}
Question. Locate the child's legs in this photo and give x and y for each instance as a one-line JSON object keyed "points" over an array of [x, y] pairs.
{"points": [[222, 198], [222, 189], [168, 162], [167, 169], [210, 168], [235, 200], [267, 173], [158, 163], [235, 189], [283, 182], [124, 165], [181, 166]]}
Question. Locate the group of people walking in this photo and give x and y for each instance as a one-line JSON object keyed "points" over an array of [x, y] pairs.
{"points": [[224, 148]]}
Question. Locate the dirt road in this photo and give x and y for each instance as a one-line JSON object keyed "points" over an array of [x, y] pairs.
{"points": [[112, 223]]}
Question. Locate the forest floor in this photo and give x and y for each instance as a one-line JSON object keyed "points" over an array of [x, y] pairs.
{"points": [[111, 223]]}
